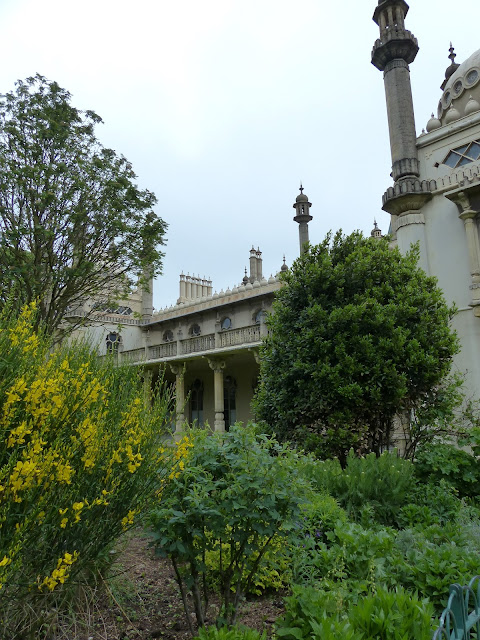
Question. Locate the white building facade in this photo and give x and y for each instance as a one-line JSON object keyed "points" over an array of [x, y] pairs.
{"points": [[435, 198]]}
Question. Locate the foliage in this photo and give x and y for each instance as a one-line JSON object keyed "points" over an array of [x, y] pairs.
{"points": [[73, 223], [359, 333], [442, 461], [380, 485], [444, 413], [390, 615], [320, 515], [431, 561], [79, 461], [237, 489], [229, 633], [272, 574]]}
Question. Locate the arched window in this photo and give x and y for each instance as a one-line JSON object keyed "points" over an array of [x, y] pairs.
{"points": [[226, 323], [113, 340], [260, 316], [168, 336], [196, 402], [229, 401], [195, 330]]}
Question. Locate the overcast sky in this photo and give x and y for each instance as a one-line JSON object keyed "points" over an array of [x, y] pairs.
{"points": [[224, 106]]}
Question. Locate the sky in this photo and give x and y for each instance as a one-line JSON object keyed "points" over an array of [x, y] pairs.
{"points": [[224, 106]]}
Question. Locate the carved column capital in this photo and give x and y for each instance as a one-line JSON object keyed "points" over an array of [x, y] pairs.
{"points": [[178, 368], [216, 365]]}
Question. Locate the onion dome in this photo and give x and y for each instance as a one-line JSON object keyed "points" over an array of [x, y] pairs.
{"points": [[433, 123], [472, 106], [452, 115], [450, 70]]}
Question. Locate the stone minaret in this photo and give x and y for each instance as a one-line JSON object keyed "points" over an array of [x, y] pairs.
{"points": [[303, 217], [392, 53]]}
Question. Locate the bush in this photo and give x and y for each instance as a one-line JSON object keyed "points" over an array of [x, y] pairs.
{"points": [[381, 484], [272, 574], [80, 460], [229, 633], [431, 561], [389, 615], [238, 489], [440, 461]]}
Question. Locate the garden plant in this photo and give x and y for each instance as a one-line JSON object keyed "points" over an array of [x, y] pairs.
{"points": [[80, 459]]}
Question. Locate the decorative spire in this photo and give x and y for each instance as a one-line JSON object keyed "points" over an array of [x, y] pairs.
{"points": [[284, 265], [376, 232], [303, 217], [452, 55], [453, 66]]}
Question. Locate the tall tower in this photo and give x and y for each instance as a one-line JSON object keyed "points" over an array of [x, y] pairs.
{"points": [[303, 217], [392, 53]]}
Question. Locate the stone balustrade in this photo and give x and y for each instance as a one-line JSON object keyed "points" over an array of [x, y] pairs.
{"points": [[197, 344]]}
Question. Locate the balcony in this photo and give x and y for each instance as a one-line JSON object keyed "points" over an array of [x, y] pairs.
{"points": [[221, 342]]}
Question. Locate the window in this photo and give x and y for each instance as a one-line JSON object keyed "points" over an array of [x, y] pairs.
{"points": [[226, 323], [229, 401], [463, 155], [113, 340], [195, 330], [168, 336], [260, 316], [196, 402]]}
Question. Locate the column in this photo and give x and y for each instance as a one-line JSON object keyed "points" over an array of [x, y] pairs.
{"points": [[469, 220], [218, 366], [179, 370]]}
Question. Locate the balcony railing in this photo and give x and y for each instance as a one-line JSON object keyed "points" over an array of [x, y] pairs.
{"points": [[197, 344], [246, 335], [166, 350]]}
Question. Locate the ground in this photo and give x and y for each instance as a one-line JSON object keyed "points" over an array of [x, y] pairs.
{"points": [[141, 601]]}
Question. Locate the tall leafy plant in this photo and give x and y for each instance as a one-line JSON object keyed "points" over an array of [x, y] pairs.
{"points": [[237, 493]]}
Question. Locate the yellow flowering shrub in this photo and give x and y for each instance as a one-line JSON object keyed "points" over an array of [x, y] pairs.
{"points": [[81, 456]]}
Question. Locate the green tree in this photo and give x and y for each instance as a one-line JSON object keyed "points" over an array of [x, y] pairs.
{"points": [[359, 333], [73, 223]]}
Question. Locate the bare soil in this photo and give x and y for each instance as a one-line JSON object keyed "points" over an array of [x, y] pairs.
{"points": [[141, 601]]}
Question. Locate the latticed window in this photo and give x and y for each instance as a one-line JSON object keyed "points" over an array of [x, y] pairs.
{"points": [[195, 330], [463, 155], [168, 336], [226, 323], [113, 340]]}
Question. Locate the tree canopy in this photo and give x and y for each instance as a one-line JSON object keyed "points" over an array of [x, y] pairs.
{"points": [[74, 225], [358, 334]]}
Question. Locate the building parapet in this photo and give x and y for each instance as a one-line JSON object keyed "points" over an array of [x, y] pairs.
{"points": [[234, 338]]}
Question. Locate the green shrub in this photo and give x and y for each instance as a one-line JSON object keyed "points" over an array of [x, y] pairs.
{"points": [[441, 461], [272, 574], [229, 633], [353, 555], [238, 489], [430, 567], [79, 461], [320, 515], [382, 484], [390, 615]]}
